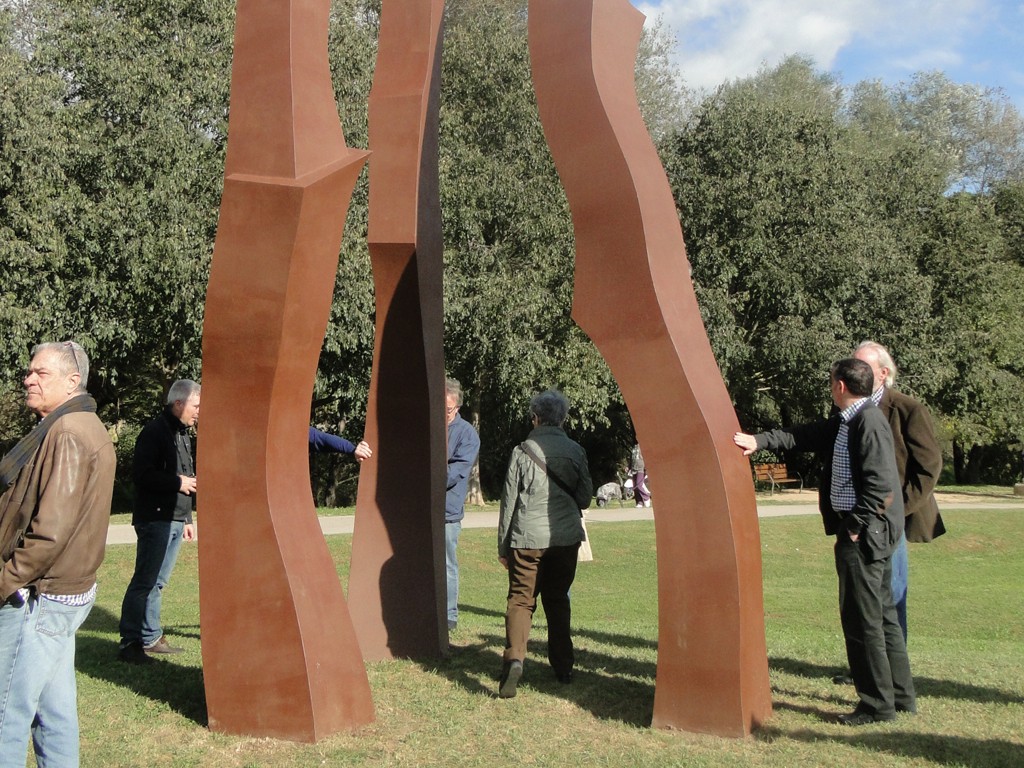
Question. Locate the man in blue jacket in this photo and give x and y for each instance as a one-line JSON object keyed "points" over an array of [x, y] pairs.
{"points": [[861, 504], [463, 447], [325, 442]]}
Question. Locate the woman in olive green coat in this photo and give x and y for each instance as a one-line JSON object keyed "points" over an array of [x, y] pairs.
{"points": [[539, 533]]}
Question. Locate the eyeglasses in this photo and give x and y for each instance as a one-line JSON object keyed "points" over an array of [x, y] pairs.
{"points": [[74, 356]]}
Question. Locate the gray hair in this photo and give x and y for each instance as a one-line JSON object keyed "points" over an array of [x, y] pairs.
{"points": [[883, 357], [453, 388], [550, 407], [70, 358], [182, 391]]}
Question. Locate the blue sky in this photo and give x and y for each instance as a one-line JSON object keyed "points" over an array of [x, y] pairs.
{"points": [[972, 41]]}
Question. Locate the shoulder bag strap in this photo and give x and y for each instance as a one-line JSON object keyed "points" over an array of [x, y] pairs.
{"points": [[551, 475]]}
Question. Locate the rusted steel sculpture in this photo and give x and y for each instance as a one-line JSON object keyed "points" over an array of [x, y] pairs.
{"points": [[712, 659], [280, 654], [397, 583]]}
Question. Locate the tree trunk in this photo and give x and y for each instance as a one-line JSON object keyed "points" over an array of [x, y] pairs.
{"points": [[975, 462], [958, 462]]}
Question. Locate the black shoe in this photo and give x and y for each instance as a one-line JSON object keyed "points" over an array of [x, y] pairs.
{"points": [[860, 717], [133, 653], [842, 680], [162, 646], [511, 671], [564, 677], [912, 709]]}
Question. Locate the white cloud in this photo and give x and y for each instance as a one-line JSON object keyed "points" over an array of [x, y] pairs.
{"points": [[720, 40]]}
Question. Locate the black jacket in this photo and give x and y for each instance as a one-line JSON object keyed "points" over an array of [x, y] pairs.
{"points": [[878, 514], [162, 452]]}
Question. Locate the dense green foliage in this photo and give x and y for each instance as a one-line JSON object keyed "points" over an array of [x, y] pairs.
{"points": [[815, 219], [815, 216]]}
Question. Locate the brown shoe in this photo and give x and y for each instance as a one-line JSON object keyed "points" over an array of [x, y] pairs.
{"points": [[162, 646]]}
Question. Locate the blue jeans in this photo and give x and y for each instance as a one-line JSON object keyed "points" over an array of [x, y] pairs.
{"points": [[451, 543], [37, 682], [900, 577], [155, 556]]}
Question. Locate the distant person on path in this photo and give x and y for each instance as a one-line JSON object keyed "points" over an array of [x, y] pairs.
{"points": [[638, 470], [324, 442], [539, 533], [463, 447], [862, 506], [164, 472], [54, 514]]}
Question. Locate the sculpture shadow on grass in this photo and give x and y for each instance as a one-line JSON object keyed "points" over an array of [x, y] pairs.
{"points": [[925, 686], [604, 681], [178, 685], [934, 748]]}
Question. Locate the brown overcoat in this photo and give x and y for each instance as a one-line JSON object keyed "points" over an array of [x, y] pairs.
{"points": [[919, 461]]}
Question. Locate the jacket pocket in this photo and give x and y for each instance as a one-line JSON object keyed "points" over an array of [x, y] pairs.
{"points": [[877, 539]]}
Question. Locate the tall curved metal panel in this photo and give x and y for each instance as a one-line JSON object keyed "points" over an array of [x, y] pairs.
{"points": [[712, 660], [396, 584], [280, 654]]}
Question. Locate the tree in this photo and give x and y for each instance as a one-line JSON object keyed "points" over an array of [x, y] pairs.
{"points": [[978, 129], [977, 294], [800, 231], [34, 140], [141, 116]]}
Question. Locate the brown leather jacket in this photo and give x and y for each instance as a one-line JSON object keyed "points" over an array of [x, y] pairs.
{"points": [[63, 494]]}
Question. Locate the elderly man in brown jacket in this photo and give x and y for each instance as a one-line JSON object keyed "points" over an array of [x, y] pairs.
{"points": [[918, 460], [53, 523]]}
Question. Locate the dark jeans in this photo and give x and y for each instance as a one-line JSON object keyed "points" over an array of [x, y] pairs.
{"points": [[547, 573], [875, 648], [155, 555]]}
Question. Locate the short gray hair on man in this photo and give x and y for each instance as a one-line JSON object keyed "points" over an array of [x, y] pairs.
{"points": [[550, 407], [882, 356], [70, 358], [181, 391], [453, 388]]}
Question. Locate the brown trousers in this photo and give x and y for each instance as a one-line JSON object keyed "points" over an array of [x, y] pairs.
{"points": [[547, 573]]}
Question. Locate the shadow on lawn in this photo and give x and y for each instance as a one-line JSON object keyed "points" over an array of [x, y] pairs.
{"points": [[925, 686], [609, 685], [179, 686], [935, 748]]}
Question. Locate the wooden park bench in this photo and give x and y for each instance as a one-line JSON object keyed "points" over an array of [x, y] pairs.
{"points": [[776, 476]]}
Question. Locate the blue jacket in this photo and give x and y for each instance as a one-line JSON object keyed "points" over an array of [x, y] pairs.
{"points": [[323, 442], [463, 446]]}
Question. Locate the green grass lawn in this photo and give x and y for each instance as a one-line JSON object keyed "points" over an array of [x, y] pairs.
{"points": [[966, 645]]}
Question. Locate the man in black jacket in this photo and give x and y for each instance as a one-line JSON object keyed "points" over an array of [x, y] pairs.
{"points": [[861, 504], [165, 485]]}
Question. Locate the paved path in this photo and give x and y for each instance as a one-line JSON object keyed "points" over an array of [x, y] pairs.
{"points": [[335, 524]]}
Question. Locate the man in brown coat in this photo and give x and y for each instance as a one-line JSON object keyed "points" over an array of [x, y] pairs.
{"points": [[918, 460], [54, 514]]}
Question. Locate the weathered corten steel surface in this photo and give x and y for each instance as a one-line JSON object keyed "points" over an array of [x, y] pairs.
{"points": [[397, 581], [280, 653], [712, 659]]}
